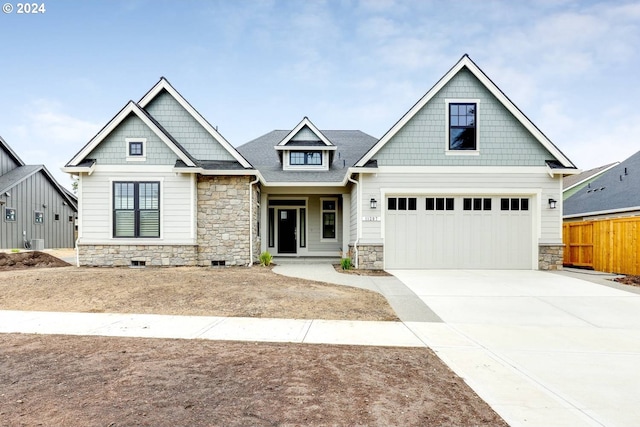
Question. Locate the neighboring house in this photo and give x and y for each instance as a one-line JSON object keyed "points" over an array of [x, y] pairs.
{"points": [[615, 193], [37, 212], [463, 180], [574, 183]]}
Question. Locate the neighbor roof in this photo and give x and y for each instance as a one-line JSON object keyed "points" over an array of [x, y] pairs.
{"points": [[572, 180], [19, 174], [351, 145], [616, 190]]}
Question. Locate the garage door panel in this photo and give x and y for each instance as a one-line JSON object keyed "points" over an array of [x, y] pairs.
{"points": [[472, 235]]}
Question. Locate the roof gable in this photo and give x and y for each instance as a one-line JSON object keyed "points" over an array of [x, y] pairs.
{"points": [[466, 63], [617, 189], [8, 152], [298, 134], [164, 86], [155, 127], [22, 173]]}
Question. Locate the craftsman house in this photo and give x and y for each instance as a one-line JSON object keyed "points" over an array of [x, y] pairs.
{"points": [[462, 180], [37, 212]]}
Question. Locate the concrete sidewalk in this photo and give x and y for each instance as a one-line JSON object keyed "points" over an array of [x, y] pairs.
{"points": [[407, 305], [391, 334]]}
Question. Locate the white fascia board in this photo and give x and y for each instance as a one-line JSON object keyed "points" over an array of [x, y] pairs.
{"points": [[75, 170], [164, 84], [305, 148], [562, 172], [460, 191], [605, 212], [455, 169], [298, 184], [133, 169], [131, 107], [471, 66], [305, 122]]}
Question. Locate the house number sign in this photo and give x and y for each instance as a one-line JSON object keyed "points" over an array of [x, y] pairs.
{"points": [[371, 218]]}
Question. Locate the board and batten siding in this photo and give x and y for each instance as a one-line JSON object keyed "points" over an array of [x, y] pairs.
{"points": [[36, 193], [177, 206], [539, 186]]}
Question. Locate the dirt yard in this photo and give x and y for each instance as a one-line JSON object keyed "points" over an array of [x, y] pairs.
{"points": [[79, 381]]}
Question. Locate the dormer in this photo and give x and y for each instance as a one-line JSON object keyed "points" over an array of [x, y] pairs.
{"points": [[305, 148]]}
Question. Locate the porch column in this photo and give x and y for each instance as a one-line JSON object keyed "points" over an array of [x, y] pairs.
{"points": [[346, 223]]}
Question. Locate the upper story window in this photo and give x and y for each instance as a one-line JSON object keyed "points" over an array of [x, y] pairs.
{"points": [[136, 149], [463, 126], [297, 158]]}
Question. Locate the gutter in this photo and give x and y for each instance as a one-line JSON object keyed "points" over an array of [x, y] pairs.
{"points": [[355, 244], [251, 219]]}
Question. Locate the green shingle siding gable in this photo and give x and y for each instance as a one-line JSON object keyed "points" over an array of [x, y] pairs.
{"points": [[503, 141], [185, 129], [113, 149]]}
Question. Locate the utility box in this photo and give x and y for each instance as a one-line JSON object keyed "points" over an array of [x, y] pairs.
{"points": [[37, 244]]}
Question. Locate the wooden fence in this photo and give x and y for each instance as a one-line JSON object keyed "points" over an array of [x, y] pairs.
{"points": [[610, 245]]}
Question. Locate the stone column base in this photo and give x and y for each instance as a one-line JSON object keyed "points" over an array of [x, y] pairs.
{"points": [[550, 257], [370, 257]]}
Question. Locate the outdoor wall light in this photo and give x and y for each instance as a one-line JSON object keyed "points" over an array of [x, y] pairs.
{"points": [[373, 203], [44, 205], [7, 194], [552, 204]]}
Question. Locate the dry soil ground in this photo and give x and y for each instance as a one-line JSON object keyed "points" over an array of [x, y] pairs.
{"points": [[80, 381]]}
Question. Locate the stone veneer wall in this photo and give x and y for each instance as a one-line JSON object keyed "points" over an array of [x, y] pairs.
{"points": [[122, 255], [550, 257], [223, 220], [370, 257]]}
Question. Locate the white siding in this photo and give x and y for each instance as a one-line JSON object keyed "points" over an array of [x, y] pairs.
{"points": [[176, 211], [535, 183]]}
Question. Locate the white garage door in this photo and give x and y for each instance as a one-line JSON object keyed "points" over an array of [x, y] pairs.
{"points": [[470, 232]]}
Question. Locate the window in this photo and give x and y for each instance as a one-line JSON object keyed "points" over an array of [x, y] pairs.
{"points": [[402, 203], [56, 217], [38, 217], [476, 204], [439, 203], [514, 204], [9, 214], [136, 149], [462, 126], [272, 227], [305, 158], [136, 209], [329, 214], [303, 228]]}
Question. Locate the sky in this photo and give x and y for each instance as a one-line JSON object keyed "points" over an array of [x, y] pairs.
{"points": [[251, 66]]}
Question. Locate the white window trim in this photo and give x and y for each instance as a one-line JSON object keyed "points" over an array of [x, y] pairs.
{"points": [[288, 166], [322, 212], [142, 158], [449, 152]]}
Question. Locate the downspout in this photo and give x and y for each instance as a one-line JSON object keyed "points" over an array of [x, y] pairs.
{"points": [[355, 244], [251, 220]]}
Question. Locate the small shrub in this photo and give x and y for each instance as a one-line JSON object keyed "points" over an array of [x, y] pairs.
{"points": [[265, 259], [345, 263]]}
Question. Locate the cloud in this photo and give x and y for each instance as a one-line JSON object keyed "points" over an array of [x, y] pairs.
{"points": [[46, 134]]}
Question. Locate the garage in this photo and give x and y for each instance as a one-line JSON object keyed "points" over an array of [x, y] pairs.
{"points": [[458, 232]]}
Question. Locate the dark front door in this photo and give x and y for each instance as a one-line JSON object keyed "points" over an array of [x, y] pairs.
{"points": [[287, 231]]}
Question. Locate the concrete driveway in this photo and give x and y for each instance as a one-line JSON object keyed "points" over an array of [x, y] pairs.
{"points": [[543, 349]]}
